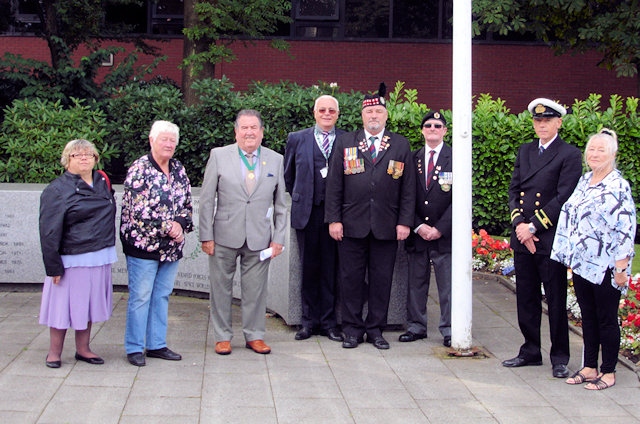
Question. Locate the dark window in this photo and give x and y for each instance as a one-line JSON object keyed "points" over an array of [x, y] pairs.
{"points": [[129, 18], [317, 9], [167, 17], [367, 19]]}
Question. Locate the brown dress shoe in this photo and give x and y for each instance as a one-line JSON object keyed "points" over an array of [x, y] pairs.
{"points": [[223, 348], [258, 346]]}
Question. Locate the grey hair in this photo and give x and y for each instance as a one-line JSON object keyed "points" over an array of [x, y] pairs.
{"points": [[248, 112], [325, 97], [75, 146], [164, 127], [611, 139]]}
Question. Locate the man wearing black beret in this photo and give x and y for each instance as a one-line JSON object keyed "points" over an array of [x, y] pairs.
{"points": [[430, 240], [545, 173]]}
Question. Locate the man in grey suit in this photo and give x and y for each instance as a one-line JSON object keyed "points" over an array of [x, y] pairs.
{"points": [[248, 181]]}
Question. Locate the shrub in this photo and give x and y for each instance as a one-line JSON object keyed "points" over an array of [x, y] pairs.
{"points": [[34, 133]]}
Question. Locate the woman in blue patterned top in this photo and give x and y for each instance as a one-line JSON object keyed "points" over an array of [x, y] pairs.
{"points": [[595, 238]]}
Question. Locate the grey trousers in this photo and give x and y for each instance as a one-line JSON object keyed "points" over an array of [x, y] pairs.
{"points": [[253, 286]]}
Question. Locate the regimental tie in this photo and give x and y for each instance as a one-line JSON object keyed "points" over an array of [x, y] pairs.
{"points": [[430, 167], [250, 178], [540, 151], [372, 147], [325, 143]]}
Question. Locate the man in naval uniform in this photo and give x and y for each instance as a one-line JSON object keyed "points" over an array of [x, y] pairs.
{"points": [[545, 173]]}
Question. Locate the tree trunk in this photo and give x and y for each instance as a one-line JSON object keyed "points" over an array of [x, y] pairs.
{"points": [[190, 47], [50, 32]]}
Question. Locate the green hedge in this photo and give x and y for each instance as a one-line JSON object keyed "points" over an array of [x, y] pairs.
{"points": [[34, 132]]}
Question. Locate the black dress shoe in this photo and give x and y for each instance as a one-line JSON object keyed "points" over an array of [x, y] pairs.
{"points": [[304, 333], [351, 342], [410, 336], [333, 334], [378, 342], [447, 341], [519, 362], [52, 364], [136, 359], [164, 353], [560, 371], [93, 361]]}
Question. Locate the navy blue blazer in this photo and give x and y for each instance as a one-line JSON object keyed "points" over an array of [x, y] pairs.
{"points": [[433, 204], [539, 187], [299, 174]]}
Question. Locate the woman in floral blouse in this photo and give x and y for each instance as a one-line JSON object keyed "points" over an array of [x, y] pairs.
{"points": [[156, 214], [595, 236]]}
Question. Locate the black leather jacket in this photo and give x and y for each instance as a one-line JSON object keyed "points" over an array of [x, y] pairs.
{"points": [[75, 218]]}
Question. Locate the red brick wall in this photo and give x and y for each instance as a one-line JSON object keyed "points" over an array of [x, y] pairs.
{"points": [[516, 74]]}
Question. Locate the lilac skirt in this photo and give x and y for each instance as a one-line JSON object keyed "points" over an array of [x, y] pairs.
{"points": [[84, 294]]}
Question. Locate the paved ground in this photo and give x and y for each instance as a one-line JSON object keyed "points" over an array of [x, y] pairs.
{"points": [[311, 381]]}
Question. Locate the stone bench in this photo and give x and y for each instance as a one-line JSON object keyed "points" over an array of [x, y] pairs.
{"points": [[21, 259]]}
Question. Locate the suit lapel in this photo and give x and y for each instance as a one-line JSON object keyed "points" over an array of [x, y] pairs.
{"points": [[537, 162], [385, 143], [421, 168]]}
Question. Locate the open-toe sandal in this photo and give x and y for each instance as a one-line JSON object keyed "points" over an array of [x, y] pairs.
{"points": [[599, 384], [579, 378]]}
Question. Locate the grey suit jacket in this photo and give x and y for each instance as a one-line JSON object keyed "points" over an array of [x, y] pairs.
{"points": [[236, 217]]}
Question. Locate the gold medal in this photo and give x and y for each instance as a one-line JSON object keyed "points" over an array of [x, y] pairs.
{"points": [[251, 175]]}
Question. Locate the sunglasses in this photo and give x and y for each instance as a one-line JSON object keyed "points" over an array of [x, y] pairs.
{"points": [[323, 110], [434, 125]]}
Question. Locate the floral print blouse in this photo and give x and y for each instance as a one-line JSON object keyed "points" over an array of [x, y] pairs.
{"points": [[151, 201], [597, 226]]}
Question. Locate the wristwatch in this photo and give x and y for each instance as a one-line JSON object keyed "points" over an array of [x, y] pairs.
{"points": [[532, 228], [620, 270]]}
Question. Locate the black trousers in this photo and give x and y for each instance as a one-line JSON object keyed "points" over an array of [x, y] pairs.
{"points": [[531, 272], [365, 276], [599, 309], [318, 254]]}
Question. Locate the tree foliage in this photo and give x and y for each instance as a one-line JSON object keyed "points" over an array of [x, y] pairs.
{"points": [[66, 25], [212, 26], [610, 26]]}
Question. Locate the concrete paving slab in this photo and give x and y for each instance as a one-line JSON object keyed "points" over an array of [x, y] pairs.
{"points": [[310, 381]]}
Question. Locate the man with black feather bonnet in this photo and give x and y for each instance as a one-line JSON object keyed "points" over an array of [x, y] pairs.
{"points": [[369, 206]]}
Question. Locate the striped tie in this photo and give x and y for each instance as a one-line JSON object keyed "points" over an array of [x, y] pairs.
{"points": [[325, 143], [372, 147], [430, 167]]}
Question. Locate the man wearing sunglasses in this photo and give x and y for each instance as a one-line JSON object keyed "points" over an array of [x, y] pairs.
{"points": [[430, 240], [306, 160]]}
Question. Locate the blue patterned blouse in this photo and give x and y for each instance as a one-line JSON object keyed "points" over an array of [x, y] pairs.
{"points": [[597, 226]]}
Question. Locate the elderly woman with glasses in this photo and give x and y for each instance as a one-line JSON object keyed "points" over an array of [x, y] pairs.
{"points": [[77, 237], [156, 215], [595, 237]]}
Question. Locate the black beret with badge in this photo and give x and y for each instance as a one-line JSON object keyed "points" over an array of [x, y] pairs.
{"points": [[376, 99], [434, 114], [545, 108]]}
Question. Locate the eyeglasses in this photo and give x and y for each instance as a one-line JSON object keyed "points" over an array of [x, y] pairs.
{"points": [[323, 110], [81, 155], [434, 125]]}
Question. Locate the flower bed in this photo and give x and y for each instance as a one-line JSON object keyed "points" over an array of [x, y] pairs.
{"points": [[494, 255]]}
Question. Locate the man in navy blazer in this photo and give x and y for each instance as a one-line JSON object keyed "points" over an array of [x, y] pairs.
{"points": [[369, 207], [430, 241], [306, 160], [545, 173]]}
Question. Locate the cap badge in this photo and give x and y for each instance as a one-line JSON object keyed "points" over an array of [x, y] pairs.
{"points": [[436, 115], [540, 108]]}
